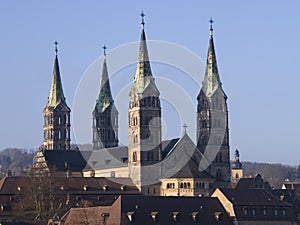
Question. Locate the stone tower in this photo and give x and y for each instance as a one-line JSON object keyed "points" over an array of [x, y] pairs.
{"points": [[236, 168], [212, 120], [144, 117], [56, 114], [105, 115]]}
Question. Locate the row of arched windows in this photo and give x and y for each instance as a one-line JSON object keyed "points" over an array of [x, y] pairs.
{"points": [[185, 185], [170, 185], [200, 185], [61, 135], [58, 120]]}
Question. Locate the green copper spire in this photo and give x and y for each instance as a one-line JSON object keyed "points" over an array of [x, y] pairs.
{"points": [[56, 92], [211, 80], [143, 75], [105, 97]]}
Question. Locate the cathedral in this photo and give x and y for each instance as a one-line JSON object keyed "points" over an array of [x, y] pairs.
{"points": [[177, 167]]}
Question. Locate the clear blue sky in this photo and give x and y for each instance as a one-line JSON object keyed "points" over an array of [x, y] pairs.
{"points": [[257, 44]]}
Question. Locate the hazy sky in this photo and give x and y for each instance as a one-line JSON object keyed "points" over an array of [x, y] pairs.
{"points": [[257, 44]]}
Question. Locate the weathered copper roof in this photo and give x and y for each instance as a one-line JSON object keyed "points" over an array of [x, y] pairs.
{"points": [[56, 95], [105, 98], [143, 76], [211, 80]]}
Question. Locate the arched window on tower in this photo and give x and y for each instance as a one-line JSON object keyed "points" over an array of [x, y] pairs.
{"points": [[237, 176], [134, 157], [59, 135]]}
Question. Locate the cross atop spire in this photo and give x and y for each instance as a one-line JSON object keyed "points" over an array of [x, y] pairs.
{"points": [[211, 26], [56, 50], [104, 50], [185, 128], [143, 15]]}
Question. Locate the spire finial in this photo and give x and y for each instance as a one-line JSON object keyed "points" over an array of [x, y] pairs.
{"points": [[104, 50], [143, 15], [185, 128], [56, 50], [211, 26]]}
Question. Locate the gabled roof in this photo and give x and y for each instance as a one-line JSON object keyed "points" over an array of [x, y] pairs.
{"points": [[180, 162], [252, 197], [117, 157], [172, 210], [73, 160], [78, 185], [153, 210], [256, 182]]}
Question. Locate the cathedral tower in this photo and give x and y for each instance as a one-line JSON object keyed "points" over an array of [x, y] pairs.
{"points": [[212, 120], [56, 114], [144, 117], [105, 115]]}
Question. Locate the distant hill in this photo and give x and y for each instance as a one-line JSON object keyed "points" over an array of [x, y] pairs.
{"points": [[275, 174], [16, 160], [19, 160]]}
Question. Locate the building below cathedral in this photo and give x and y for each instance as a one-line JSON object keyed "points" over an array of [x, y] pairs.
{"points": [[176, 167]]}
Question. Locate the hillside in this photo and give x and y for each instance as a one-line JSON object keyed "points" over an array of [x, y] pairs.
{"points": [[18, 160], [275, 174]]}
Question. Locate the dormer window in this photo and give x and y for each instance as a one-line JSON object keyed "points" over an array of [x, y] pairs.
{"points": [[105, 187], [218, 216], [62, 187], [19, 188], [130, 216], [154, 216], [175, 216], [123, 188], [195, 216], [264, 211], [284, 212], [85, 187], [245, 211]]}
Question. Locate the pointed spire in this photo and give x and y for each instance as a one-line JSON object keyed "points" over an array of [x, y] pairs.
{"points": [[211, 79], [56, 92], [105, 98], [143, 75]]}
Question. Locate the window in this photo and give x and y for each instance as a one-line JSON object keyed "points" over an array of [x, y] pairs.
{"points": [[245, 211], [112, 174], [276, 212], [253, 212], [219, 175], [284, 212], [264, 211], [134, 157]]}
